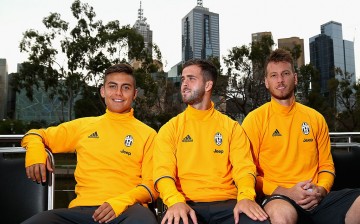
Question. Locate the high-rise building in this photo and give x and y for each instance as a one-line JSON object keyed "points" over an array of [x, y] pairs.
{"points": [[200, 34], [256, 37], [328, 51], [143, 28], [3, 88], [294, 44]]}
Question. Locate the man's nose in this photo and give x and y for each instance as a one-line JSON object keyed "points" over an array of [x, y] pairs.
{"points": [[281, 78], [119, 91]]}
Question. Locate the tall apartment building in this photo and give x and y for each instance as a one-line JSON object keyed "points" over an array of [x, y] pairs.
{"points": [[143, 28], [3, 88], [200, 34], [290, 44], [328, 50]]}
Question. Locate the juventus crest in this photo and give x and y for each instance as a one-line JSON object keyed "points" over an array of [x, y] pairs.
{"points": [[305, 128], [218, 138], [128, 140]]}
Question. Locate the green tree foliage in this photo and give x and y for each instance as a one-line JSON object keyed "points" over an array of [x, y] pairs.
{"points": [[91, 104], [86, 50], [157, 99], [245, 72], [346, 95], [309, 92]]}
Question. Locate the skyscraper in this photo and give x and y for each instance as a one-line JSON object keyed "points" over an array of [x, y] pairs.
{"points": [[3, 88], [143, 28], [292, 43], [328, 51], [200, 34]]}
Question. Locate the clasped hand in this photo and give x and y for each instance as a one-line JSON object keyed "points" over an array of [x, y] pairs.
{"points": [[307, 195]]}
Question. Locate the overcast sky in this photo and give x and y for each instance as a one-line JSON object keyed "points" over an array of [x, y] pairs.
{"points": [[238, 20]]}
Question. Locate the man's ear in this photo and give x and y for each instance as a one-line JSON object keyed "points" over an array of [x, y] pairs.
{"points": [[135, 94], [266, 83], [209, 85], [102, 91]]}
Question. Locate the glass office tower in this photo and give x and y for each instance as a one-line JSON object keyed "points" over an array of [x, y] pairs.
{"points": [[200, 34], [328, 50]]}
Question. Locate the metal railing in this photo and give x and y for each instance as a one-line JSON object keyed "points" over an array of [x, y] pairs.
{"points": [[10, 138], [345, 139]]}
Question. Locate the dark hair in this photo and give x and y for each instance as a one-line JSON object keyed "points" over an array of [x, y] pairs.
{"points": [[208, 69], [280, 55], [120, 68]]}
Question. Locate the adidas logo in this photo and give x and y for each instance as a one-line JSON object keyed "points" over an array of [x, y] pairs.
{"points": [[187, 139], [276, 133], [94, 135]]}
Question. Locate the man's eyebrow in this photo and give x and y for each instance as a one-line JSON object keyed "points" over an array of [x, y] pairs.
{"points": [[189, 75], [122, 84]]}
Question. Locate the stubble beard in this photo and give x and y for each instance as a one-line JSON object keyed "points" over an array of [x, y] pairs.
{"points": [[193, 98], [284, 96]]}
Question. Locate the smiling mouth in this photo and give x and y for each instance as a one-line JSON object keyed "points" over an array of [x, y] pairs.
{"points": [[116, 100]]}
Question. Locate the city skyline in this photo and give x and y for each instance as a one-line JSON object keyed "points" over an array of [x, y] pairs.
{"points": [[237, 22]]}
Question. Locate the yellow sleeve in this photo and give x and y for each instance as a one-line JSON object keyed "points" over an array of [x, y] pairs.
{"points": [[245, 192], [61, 138], [244, 170], [35, 148], [138, 195], [147, 168], [165, 165], [168, 192], [326, 180], [326, 174]]}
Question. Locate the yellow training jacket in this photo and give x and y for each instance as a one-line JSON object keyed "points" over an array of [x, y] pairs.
{"points": [[207, 155], [114, 158], [290, 145]]}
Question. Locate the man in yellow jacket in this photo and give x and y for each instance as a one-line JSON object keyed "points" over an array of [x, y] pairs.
{"points": [[114, 159], [291, 148], [203, 166]]}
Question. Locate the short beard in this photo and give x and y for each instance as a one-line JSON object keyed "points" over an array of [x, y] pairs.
{"points": [[194, 98], [283, 97]]}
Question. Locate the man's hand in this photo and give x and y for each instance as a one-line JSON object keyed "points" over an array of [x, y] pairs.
{"points": [[104, 213], [251, 209], [314, 195], [305, 193], [179, 211], [297, 192], [37, 172]]}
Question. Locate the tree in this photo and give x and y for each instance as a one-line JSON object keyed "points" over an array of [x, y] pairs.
{"points": [[87, 50], [346, 95], [308, 92], [245, 71], [89, 105]]}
